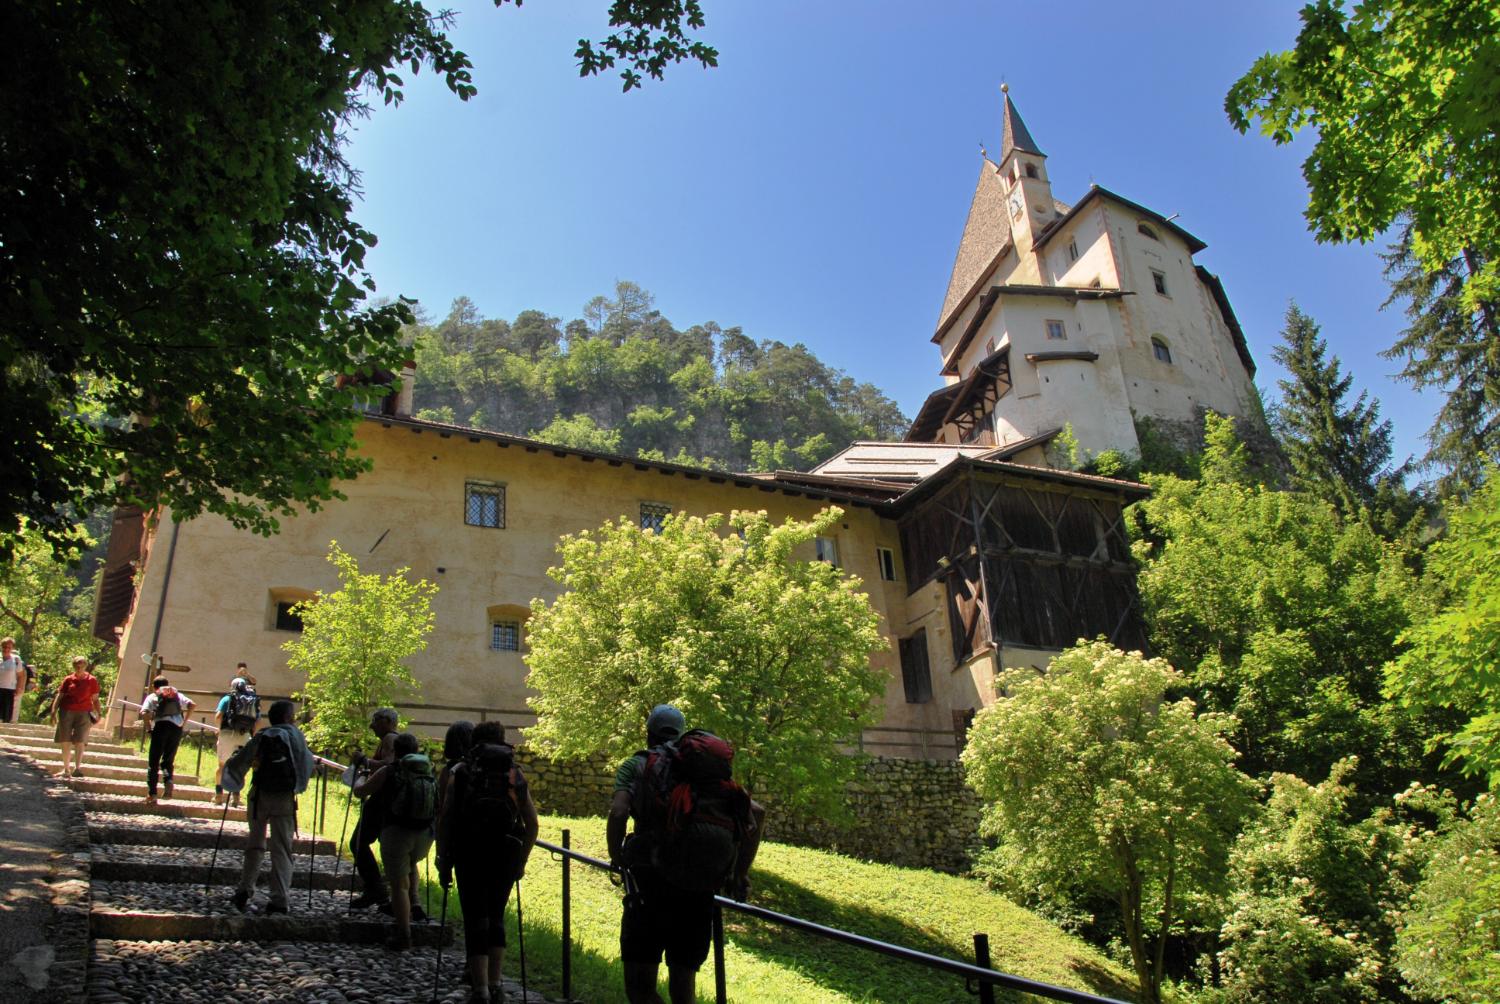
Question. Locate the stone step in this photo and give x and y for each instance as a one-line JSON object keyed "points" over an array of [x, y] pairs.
{"points": [[136, 805], [52, 757], [191, 866], [123, 971], [90, 785], [25, 729], [136, 771], [145, 911], [183, 832], [24, 743]]}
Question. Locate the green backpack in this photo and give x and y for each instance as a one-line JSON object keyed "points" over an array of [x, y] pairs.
{"points": [[413, 802]]}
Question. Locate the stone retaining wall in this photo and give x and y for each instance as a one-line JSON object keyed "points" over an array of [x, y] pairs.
{"points": [[917, 813]]}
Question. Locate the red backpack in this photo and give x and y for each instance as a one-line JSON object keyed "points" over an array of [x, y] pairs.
{"points": [[690, 816]]}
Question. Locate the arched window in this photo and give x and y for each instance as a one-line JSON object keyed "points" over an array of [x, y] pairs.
{"points": [[1160, 351], [507, 623], [1146, 231]]}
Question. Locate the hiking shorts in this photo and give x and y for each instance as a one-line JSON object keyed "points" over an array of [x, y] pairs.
{"points": [[72, 727], [661, 919], [228, 742], [402, 849]]}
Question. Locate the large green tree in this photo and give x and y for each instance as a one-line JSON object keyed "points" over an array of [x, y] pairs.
{"points": [[1281, 612], [1106, 785], [1404, 96], [1455, 349], [1451, 665], [178, 246], [353, 647], [751, 640], [1339, 450]]}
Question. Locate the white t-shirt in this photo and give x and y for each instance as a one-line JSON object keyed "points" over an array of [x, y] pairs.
{"points": [[10, 672]]}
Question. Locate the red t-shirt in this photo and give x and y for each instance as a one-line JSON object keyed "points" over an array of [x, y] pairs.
{"points": [[78, 694]]}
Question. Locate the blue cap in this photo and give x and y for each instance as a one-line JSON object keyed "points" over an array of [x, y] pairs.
{"points": [[665, 722]]}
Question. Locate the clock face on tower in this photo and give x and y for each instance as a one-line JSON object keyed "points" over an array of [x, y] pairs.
{"points": [[1016, 205]]}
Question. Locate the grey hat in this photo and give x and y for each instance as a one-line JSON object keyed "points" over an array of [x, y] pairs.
{"points": [[666, 722]]}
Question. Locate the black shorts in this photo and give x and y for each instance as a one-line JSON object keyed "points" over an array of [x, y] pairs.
{"points": [[662, 919]]}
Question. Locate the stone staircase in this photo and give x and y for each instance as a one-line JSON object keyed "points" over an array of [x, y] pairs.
{"points": [[160, 898]]}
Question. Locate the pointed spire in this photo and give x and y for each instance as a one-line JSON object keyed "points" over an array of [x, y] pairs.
{"points": [[1014, 135]]}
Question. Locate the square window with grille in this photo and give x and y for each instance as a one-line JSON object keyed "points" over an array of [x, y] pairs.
{"points": [[1057, 331], [653, 515], [886, 558], [484, 505], [505, 636]]}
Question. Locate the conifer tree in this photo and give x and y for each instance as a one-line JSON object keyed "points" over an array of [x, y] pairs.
{"points": [[1338, 450], [1452, 348]]}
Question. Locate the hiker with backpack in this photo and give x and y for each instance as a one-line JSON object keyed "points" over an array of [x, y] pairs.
{"points": [[486, 829], [696, 833], [279, 764], [383, 722], [163, 713], [409, 787], [237, 715]]}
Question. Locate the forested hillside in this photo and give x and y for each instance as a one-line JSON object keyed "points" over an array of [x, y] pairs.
{"points": [[622, 378]]}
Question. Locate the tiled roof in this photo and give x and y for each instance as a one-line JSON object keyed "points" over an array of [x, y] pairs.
{"points": [[1013, 133], [986, 236]]}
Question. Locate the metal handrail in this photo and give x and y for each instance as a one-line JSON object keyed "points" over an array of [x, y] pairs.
{"points": [[982, 975], [205, 727]]}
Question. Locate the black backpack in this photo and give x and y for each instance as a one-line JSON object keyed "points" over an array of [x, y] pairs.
{"points": [[690, 816], [413, 799], [167, 703], [243, 710], [275, 770], [487, 805]]}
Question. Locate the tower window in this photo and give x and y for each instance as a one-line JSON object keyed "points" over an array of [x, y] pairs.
{"points": [[484, 505], [1159, 280], [1146, 231], [1073, 250], [653, 515], [1160, 351], [1031, 170], [1057, 331]]}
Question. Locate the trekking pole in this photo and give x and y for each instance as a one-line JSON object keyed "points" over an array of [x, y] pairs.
{"points": [[344, 829], [312, 850], [214, 861], [521, 939], [442, 936], [354, 853]]}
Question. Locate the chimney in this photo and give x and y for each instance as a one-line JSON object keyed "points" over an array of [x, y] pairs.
{"points": [[403, 394]]}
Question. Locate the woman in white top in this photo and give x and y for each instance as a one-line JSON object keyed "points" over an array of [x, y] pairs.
{"points": [[12, 679]]}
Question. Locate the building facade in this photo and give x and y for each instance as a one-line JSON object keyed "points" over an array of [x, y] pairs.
{"points": [[1090, 315]]}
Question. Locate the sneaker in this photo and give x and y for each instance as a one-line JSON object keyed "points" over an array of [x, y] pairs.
{"points": [[166, 790], [240, 899], [236, 802], [150, 799], [365, 900], [218, 798]]}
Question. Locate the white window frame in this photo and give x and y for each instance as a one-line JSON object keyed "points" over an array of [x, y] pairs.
{"points": [[886, 559], [826, 549]]}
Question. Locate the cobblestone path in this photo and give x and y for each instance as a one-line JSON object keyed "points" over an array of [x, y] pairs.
{"points": [[160, 919]]}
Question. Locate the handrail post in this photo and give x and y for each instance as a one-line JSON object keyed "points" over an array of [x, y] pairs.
{"points": [[982, 960], [567, 916], [721, 994], [199, 769]]}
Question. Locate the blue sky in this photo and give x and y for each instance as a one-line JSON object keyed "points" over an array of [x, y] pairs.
{"points": [[813, 187]]}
